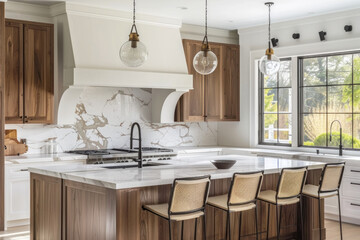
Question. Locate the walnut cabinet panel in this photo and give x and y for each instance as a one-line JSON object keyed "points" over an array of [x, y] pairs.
{"points": [[29, 81], [215, 97]]}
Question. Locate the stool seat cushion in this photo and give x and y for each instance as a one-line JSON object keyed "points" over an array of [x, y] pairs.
{"points": [[270, 196], [162, 210], [312, 191], [221, 202]]}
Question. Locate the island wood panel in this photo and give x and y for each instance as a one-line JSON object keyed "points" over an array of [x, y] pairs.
{"points": [[45, 210], [14, 72], [89, 212], [92, 212], [38, 73], [2, 115]]}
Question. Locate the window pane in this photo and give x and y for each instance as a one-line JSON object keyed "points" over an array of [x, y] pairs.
{"points": [[314, 127], [314, 71], [285, 74], [356, 131], [270, 128], [356, 67], [285, 100], [270, 100], [356, 98], [340, 98], [270, 81], [285, 128], [339, 69], [346, 122], [314, 99]]}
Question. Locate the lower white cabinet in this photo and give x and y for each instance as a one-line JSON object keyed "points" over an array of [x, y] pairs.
{"points": [[17, 196]]}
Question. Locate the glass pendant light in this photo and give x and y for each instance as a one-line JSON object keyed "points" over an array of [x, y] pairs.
{"points": [[205, 61], [269, 64], [133, 53]]}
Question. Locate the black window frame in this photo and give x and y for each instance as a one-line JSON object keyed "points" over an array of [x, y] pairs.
{"points": [[261, 107], [300, 104]]}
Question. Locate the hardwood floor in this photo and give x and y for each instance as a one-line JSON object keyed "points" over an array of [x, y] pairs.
{"points": [[350, 232]]}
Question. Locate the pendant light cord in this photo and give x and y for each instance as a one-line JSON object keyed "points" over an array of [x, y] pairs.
{"points": [[269, 27], [134, 12], [206, 12]]}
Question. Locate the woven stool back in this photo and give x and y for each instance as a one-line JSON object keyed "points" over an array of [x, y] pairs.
{"points": [[291, 182], [245, 188], [331, 177]]}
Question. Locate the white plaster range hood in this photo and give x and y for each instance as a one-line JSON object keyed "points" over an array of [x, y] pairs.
{"points": [[91, 39]]}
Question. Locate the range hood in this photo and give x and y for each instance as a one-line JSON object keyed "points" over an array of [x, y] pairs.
{"points": [[91, 39]]}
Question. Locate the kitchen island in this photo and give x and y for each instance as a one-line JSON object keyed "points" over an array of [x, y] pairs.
{"points": [[93, 202]]}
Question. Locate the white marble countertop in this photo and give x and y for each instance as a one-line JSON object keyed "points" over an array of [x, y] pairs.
{"points": [[165, 174], [36, 158]]}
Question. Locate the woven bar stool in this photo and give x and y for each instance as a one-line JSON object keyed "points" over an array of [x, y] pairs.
{"points": [[329, 186], [242, 196], [187, 201], [289, 188]]}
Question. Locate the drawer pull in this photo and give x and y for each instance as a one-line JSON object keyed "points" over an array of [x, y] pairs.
{"points": [[354, 204], [25, 170], [354, 183], [357, 171]]}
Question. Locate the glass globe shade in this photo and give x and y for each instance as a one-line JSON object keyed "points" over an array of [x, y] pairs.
{"points": [[205, 62], [269, 66], [133, 53]]}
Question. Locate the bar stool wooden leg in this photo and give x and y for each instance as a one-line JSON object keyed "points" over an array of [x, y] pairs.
{"points": [[256, 223], [319, 206], [268, 218], [182, 230], [240, 225], [301, 218], [341, 235], [204, 227], [196, 220], [277, 222], [170, 234]]}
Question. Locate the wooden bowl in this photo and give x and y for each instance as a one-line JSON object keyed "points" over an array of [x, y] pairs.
{"points": [[223, 164]]}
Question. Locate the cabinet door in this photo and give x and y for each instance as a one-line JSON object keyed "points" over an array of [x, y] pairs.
{"points": [[192, 103], [14, 72], [230, 83], [38, 77], [213, 88], [19, 199]]}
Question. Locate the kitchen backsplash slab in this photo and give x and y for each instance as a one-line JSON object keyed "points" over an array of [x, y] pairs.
{"points": [[103, 120]]}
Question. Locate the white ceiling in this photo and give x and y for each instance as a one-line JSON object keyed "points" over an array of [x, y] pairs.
{"points": [[226, 14]]}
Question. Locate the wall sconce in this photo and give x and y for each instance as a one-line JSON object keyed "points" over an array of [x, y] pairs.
{"points": [[296, 35], [348, 28], [322, 35], [274, 42]]}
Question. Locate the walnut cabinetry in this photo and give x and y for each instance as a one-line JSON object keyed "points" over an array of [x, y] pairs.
{"points": [[29, 81], [215, 97]]}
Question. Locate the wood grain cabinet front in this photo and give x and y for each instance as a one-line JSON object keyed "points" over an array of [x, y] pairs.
{"points": [[215, 97], [29, 81]]}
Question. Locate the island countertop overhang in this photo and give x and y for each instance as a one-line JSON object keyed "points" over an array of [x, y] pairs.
{"points": [[165, 174]]}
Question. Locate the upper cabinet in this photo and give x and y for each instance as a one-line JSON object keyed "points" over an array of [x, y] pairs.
{"points": [[29, 81], [215, 97]]}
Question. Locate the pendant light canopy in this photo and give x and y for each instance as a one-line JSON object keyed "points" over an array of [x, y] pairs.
{"points": [[205, 61], [269, 64], [133, 53]]}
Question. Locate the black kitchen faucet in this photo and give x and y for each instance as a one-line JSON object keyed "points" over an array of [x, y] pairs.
{"points": [[139, 159]]}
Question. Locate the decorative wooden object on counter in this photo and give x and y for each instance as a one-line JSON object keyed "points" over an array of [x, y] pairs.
{"points": [[12, 146], [215, 97], [93, 213], [29, 85]]}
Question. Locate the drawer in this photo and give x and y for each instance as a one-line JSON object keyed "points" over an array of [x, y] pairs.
{"points": [[351, 208], [352, 172], [351, 187]]}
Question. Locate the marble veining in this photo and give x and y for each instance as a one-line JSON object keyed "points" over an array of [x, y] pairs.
{"points": [[103, 120], [165, 174]]}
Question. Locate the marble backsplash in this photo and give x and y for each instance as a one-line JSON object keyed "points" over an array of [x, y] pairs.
{"points": [[103, 120]]}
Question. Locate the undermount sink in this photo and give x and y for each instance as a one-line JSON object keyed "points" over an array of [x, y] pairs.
{"points": [[153, 164]]}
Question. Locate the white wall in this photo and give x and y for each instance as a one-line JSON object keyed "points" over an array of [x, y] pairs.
{"points": [[253, 42]]}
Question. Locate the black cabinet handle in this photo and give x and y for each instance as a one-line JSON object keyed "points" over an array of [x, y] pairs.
{"points": [[24, 170], [354, 183], [357, 171], [354, 204]]}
